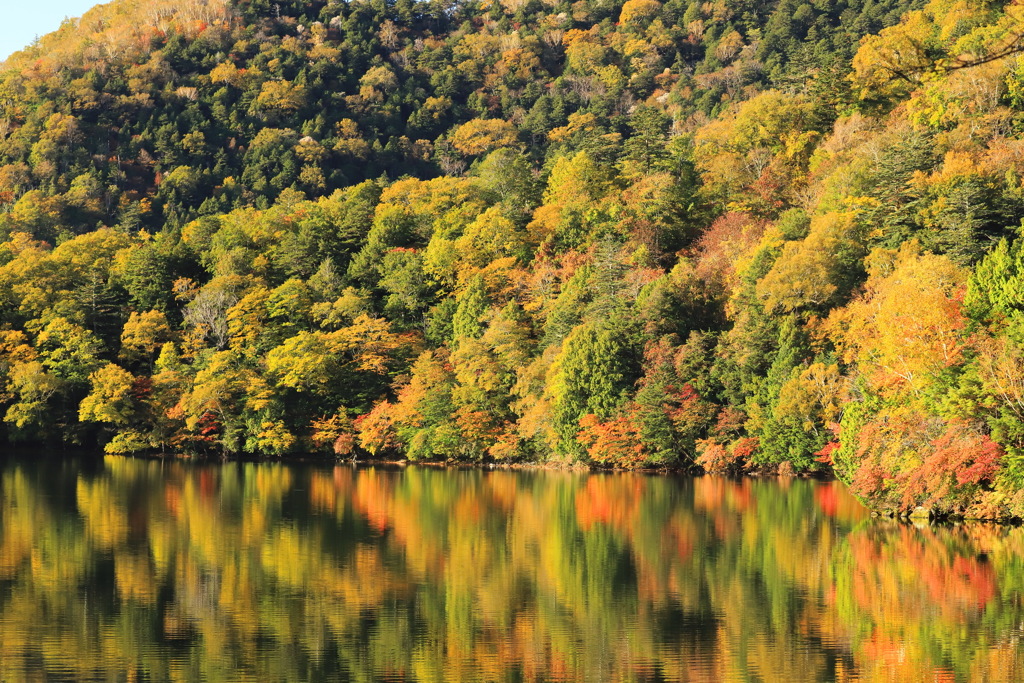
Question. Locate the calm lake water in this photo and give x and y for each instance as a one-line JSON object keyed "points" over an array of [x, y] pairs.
{"points": [[143, 570]]}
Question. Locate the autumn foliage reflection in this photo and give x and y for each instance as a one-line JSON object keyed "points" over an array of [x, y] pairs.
{"points": [[171, 571]]}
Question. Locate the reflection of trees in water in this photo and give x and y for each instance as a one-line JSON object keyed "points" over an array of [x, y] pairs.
{"points": [[933, 603], [283, 573]]}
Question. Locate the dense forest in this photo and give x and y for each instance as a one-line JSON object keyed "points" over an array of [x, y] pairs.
{"points": [[729, 235]]}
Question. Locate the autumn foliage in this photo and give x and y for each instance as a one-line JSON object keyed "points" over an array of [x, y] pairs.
{"points": [[636, 234]]}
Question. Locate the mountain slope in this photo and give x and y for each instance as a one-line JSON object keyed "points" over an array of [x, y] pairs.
{"points": [[143, 88]]}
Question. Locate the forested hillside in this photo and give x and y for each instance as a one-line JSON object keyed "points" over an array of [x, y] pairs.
{"points": [[727, 235]]}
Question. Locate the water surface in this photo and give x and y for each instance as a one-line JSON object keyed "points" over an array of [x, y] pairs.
{"points": [[146, 570]]}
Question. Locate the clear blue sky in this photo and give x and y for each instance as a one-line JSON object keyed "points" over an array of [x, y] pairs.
{"points": [[22, 20]]}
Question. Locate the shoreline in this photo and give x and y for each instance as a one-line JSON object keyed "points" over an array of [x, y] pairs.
{"points": [[309, 458]]}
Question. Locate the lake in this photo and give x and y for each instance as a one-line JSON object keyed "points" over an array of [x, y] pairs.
{"points": [[122, 569]]}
